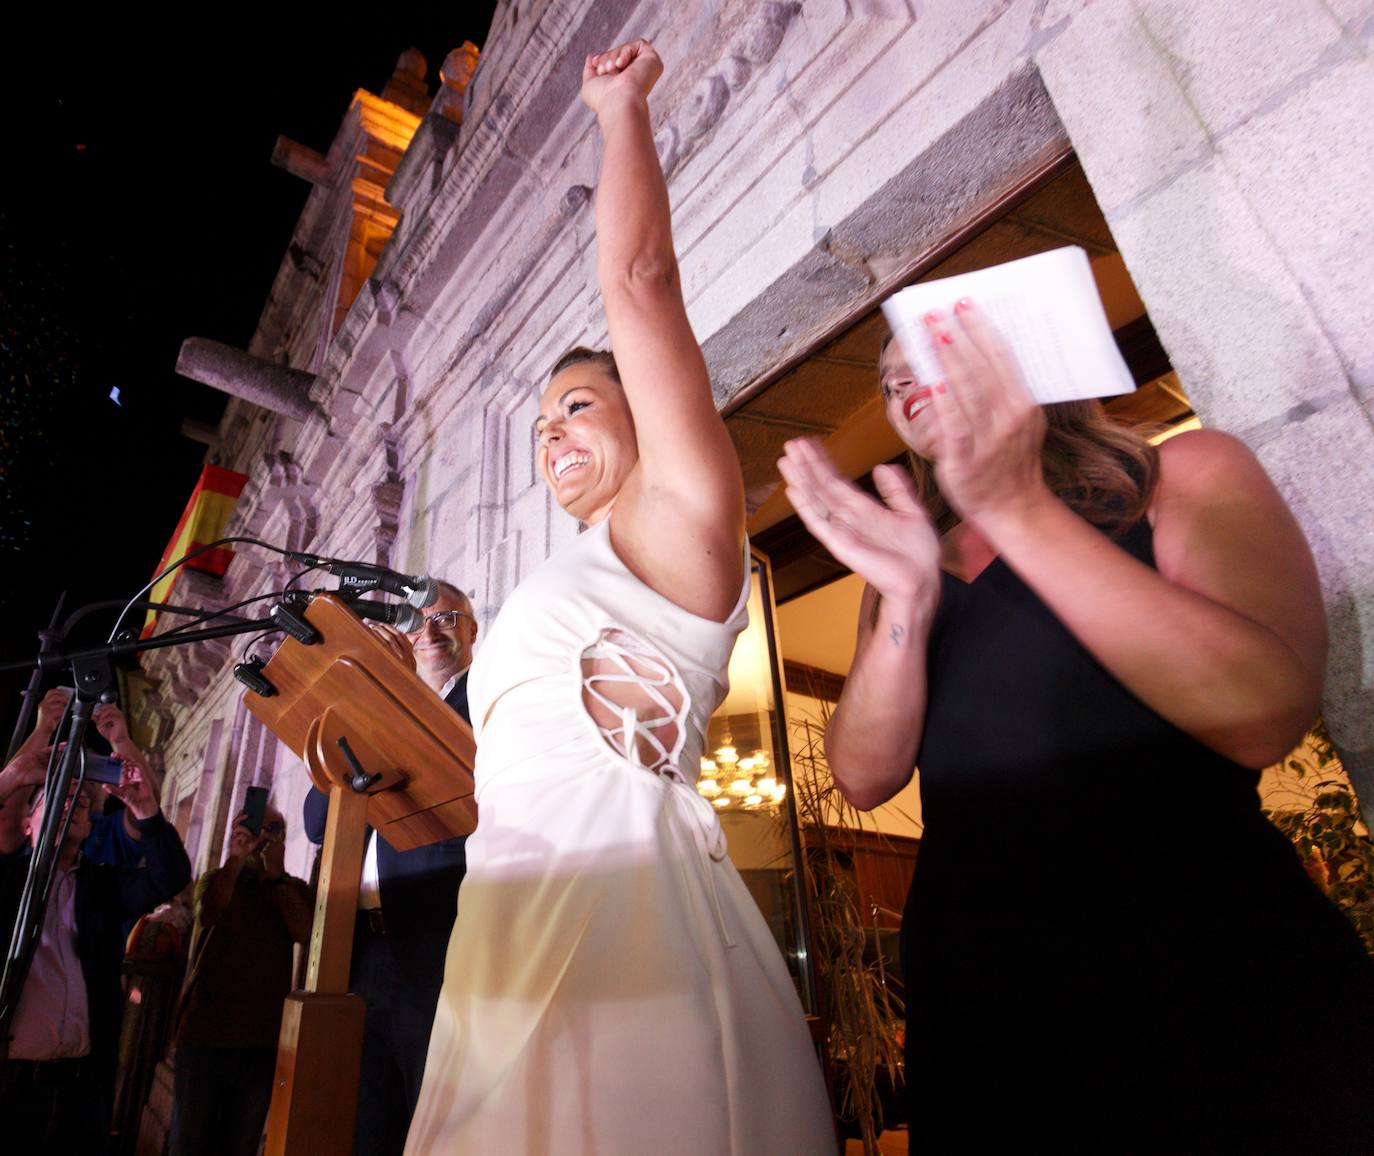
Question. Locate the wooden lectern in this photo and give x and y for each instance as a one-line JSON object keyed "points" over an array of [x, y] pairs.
{"points": [[416, 756]]}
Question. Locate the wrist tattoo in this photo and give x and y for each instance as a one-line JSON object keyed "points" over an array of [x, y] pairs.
{"points": [[896, 634]]}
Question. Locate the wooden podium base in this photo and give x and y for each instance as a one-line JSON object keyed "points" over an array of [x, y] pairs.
{"points": [[315, 1091], [413, 760]]}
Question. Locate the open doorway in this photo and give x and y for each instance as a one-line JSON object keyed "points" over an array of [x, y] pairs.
{"points": [[833, 395]]}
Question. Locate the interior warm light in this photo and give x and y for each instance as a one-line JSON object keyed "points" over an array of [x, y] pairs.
{"points": [[1175, 430], [728, 780]]}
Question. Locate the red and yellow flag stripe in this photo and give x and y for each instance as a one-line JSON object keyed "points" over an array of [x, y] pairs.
{"points": [[204, 519]]}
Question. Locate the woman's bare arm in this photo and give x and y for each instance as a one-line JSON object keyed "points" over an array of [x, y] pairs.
{"points": [[1225, 638], [875, 731], [679, 521]]}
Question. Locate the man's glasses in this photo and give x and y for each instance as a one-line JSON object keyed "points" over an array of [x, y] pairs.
{"points": [[443, 620]]}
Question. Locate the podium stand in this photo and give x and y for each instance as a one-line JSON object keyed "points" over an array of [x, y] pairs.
{"points": [[410, 778]]}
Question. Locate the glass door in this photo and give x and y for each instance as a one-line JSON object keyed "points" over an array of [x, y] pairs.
{"points": [[746, 774]]}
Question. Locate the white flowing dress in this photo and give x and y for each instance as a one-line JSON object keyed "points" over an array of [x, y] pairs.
{"points": [[611, 987]]}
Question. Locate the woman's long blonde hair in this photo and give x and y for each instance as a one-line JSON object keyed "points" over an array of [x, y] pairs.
{"points": [[1100, 469]]}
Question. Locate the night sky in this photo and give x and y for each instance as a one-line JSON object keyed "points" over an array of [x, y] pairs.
{"points": [[139, 207]]}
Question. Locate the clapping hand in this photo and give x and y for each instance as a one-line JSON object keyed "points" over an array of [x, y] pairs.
{"points": [[632, 68], [891, 543], [988, 429]]}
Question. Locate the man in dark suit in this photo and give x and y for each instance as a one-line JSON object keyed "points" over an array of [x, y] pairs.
{"points": [[407, 903]]}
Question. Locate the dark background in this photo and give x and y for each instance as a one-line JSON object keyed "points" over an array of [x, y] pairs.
{"points": [[139, 207]]}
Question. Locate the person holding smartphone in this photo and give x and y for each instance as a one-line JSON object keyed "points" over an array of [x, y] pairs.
{"points": [[249, 914], [1090, 647], [57, 1084], [114, 838]]}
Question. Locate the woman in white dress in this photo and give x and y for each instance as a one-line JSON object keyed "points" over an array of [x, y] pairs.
{"points": [[611, 987]]}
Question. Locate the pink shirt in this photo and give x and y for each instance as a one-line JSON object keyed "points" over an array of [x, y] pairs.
{"points": [[52, 1021]]}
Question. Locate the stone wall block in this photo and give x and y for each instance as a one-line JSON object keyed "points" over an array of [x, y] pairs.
{"points": [[1356, 15], [1263, 46], [1237, 328], [1058, 12], [1324, 466], [794, 284], [883, 87], [502, 575], [1306, 168], [447, 521], [993, 54], [1117, 94], [916, 209], [778, 194], [819, 67]]}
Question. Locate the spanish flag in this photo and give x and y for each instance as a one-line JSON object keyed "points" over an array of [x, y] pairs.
{"points": [[203, 521]]}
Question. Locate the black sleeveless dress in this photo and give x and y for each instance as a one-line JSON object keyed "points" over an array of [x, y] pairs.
{"points": [[1107, 946]]}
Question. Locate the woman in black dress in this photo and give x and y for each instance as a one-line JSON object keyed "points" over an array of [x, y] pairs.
{"points": [[1107, 946]]}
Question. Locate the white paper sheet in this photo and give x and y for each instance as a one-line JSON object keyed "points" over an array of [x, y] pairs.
{"points": [[1046, 308]]}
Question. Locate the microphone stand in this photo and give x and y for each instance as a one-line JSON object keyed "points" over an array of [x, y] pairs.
{"points": [[94, 678], [29, 694]]}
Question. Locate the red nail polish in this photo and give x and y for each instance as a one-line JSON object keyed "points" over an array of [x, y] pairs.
{"points": [[945, 338], [963, 305], [931, 318]]}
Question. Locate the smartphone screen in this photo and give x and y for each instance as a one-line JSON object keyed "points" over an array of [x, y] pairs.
{"points": [[254, 807], [103, 768]]}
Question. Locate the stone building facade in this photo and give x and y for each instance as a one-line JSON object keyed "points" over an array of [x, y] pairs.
{"points": [[819, 154]]}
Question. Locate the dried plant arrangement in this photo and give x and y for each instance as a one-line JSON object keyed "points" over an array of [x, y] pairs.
{"points": [[1328, 832], [864, 1015]]}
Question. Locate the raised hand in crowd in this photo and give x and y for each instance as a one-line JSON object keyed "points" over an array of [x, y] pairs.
{"points": [[109, 720], [272, 854], [137, 792], [51, 708], [243, 843], [20, 776]]}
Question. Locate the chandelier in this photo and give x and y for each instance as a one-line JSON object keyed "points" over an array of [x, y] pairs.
{"points": [[739, 784]]}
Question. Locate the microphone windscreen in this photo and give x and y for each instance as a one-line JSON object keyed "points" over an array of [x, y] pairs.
{"points": [[424, 592], [408, 621]]}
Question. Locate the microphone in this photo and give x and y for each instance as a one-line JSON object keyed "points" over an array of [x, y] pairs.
{"points": [[404, 618], [362, 577]]}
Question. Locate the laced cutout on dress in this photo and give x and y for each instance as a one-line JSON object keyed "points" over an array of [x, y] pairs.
{"points": [[636, 699], [639, 704]]}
